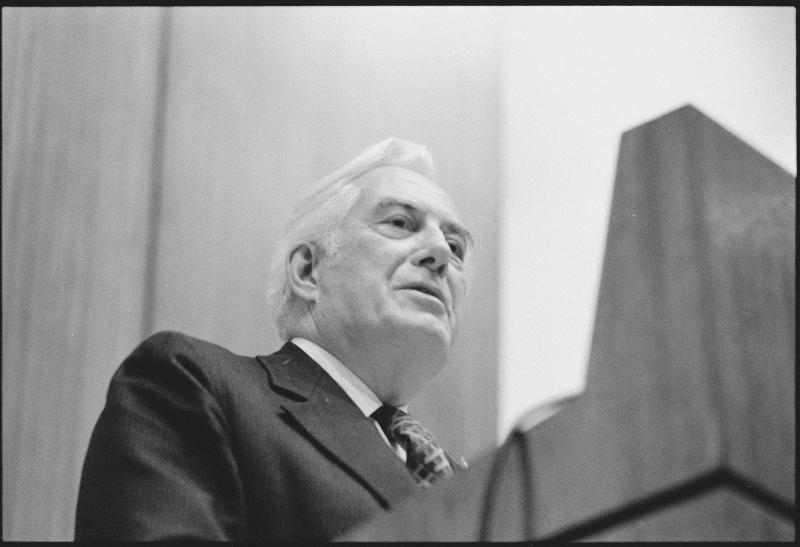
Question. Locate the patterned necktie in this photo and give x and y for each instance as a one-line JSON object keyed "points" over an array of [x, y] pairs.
{"points": [[425, 459]]}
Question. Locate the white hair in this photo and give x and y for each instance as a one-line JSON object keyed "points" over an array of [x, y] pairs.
{"points": [[317, 218]]}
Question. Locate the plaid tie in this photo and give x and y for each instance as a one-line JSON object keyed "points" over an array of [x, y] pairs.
{"points": [[425, 459]]}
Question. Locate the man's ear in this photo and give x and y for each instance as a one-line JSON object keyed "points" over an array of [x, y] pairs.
{"points": [[302, 273]]}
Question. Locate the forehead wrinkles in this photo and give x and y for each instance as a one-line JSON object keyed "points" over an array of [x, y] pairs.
{"points": [[387, 184]]}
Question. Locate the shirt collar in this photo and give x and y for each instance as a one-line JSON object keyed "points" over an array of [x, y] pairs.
{"points": [[363, 397]]}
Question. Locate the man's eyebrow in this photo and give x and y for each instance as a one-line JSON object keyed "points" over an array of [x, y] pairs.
{"points": [[449, 226]]}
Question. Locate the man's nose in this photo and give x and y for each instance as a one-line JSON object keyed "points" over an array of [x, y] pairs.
{"points": [[433, 253]]}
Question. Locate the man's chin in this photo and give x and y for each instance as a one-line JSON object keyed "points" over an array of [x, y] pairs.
{"points": [[427, 331]]}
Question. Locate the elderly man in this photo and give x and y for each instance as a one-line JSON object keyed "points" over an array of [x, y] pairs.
{"points": [[367, 288]]}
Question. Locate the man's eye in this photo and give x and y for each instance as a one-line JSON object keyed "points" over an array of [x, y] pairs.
{"points": [[457, 248], [402, 222]]}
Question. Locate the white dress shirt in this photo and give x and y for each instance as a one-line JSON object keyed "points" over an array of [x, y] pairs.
{"points": [[363, 397]]}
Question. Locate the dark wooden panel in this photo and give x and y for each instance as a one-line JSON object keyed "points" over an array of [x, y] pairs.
{"points": [[264, 101], [78, 101], [692, 364]]}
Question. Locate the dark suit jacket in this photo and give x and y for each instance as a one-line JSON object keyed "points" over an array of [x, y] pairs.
{"points": [[196, 442]]}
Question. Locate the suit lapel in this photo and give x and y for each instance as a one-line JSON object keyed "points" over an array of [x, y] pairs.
{"points": [[323, 410]]}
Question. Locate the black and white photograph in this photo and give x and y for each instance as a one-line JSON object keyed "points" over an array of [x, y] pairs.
{"points": [[390, 273]]}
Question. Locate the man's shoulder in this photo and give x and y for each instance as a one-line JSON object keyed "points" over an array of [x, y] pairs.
{"points": [[207, 361], [188, 360], [169, 342]]}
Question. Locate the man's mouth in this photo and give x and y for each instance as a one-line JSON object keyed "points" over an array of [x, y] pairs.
{"points": [[429, 290]]}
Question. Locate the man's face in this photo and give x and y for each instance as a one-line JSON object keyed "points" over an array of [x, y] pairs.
{"points": [[397, 276]]}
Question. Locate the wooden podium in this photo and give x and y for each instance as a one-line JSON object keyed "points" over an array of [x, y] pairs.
{"points": [[686, 428]]}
